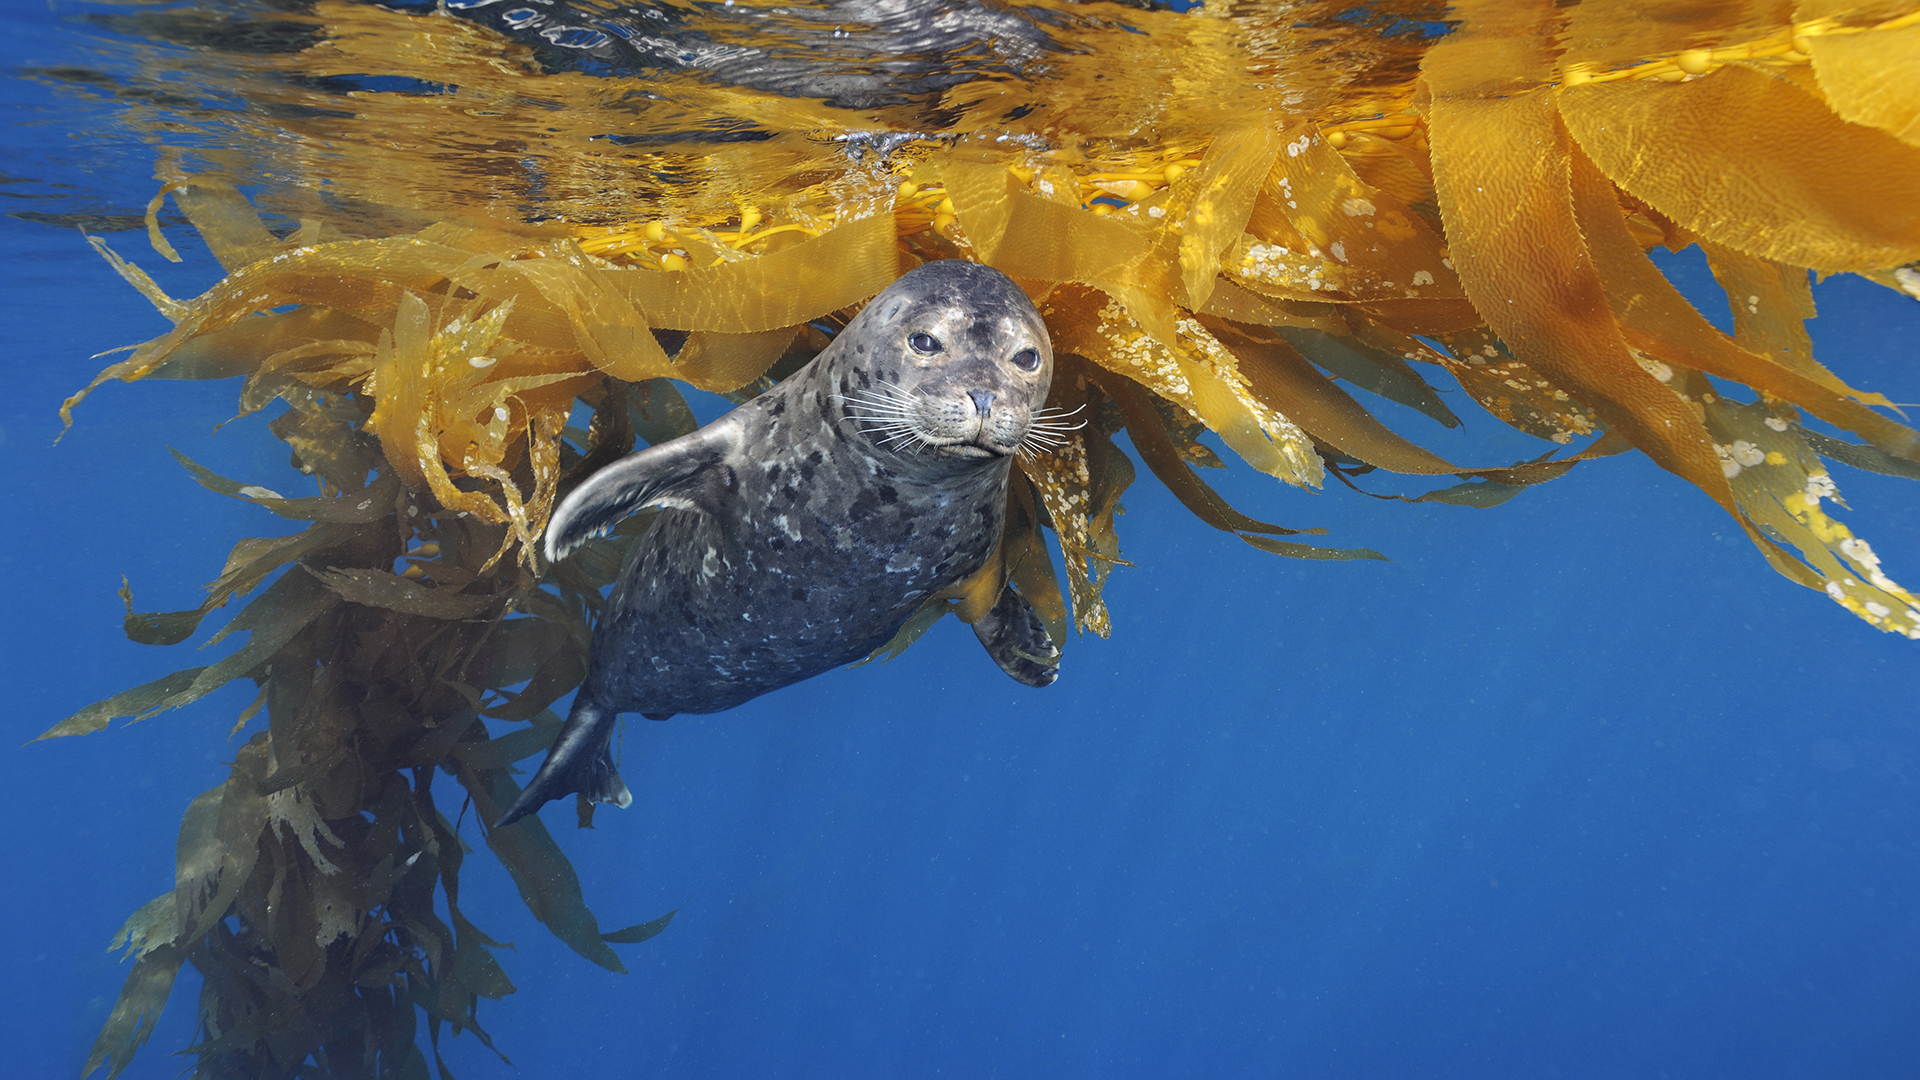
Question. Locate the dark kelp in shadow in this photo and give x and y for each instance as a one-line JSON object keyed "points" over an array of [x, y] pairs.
{"points": [[306, 884], [1322, 213]]}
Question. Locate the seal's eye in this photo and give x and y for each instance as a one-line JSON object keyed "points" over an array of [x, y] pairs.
{"points": [[924, 344], [1027, 360]]}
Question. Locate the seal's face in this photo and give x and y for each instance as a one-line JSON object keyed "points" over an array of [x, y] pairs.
{"points": [[952, 361]]}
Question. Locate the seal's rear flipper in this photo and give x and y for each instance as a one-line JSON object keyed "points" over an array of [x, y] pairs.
{"points": [[581, 760], [1018, 641]]}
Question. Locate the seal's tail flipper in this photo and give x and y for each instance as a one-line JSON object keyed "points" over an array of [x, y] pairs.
{"points": [[581, 760], [1018, 641]]}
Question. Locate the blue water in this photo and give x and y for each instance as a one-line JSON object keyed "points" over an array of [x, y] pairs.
{"points": [[1573, 787]]}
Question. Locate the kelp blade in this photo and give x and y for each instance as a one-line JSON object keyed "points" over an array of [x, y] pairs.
{"points": [[1225, 215]]}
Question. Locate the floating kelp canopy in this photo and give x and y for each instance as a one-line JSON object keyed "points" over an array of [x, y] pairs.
{"points": [[461, 225]]}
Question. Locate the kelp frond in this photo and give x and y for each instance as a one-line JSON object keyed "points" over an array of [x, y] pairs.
{"points": [[1263, 217]]}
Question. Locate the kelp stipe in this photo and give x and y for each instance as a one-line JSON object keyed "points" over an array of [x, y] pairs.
{"points": [[1321, 202]]}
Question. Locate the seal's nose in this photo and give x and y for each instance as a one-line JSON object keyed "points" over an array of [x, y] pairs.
{"points": [[982, 401]]}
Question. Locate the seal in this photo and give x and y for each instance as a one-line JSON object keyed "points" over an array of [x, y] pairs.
{"points": [[800, 531]]}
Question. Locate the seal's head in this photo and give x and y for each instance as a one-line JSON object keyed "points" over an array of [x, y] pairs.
{"points": [[950, 361]]}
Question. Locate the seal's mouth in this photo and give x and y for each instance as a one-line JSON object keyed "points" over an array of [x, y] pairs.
{"points": [[911, 422], [974, 449]]}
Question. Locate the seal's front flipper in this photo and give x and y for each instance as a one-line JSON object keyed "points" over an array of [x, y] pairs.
{"points": [[1018, 641], [581, 760], [665, 475]]}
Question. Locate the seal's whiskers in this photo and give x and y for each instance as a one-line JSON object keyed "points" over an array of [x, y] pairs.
{"points": [[887, 393], [1047, 431], [906, 436], [1055, 419], [890, 401], [888, 413]]}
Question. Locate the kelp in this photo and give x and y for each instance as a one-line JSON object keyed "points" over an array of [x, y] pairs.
{"points": [[1250, 221], [307, 882]]}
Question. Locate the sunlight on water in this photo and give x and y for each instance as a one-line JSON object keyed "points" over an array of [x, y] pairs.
{"points": [[589, 113]]}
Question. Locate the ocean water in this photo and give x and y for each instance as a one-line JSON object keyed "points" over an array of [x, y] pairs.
{"points": [[1572, 787]]}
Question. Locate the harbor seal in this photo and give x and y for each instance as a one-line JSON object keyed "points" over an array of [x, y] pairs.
{"points": [[801, 530]]}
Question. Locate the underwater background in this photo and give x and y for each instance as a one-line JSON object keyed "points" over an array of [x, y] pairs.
{"points": [[1574, 786]]}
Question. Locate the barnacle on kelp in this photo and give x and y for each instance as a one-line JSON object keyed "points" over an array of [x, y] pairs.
{"points": [[1224, 217]]}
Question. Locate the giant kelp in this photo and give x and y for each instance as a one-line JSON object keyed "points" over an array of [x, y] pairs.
{"points": [[1233, 219]]}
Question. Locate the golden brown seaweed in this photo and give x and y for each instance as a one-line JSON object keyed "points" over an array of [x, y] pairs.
{"points": [[1240, 221]]}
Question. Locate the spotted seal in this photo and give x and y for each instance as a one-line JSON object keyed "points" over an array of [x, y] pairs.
{"points": [[801, 530]]}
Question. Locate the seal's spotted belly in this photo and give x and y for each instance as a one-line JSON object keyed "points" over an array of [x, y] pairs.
{"points": [[795, 598]]}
